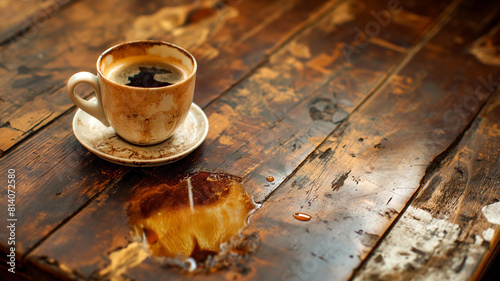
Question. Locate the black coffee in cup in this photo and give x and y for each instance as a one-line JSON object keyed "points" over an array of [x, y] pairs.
{"points": [[144, 73]]}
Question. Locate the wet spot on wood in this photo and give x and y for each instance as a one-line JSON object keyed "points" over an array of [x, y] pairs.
{"points": [[322, 109], [302, 216]]}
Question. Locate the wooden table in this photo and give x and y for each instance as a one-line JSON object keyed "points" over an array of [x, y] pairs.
{"points": [[379, 119]]}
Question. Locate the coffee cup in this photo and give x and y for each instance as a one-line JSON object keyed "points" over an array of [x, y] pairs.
{"points": [[143, 89]]}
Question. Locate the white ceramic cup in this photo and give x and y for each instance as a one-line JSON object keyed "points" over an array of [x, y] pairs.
{"points": [[139, 115]]}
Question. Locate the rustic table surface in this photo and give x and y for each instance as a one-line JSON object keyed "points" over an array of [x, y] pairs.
{"points": [[378, 119]]}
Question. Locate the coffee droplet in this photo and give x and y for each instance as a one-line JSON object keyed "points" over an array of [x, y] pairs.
{"points": [[302, 216], [270, 178]]}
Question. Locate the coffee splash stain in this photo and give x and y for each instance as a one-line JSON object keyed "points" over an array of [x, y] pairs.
{"points": [[194, 223]]}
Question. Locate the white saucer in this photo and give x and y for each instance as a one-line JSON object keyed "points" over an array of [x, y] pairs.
{"points": [[105, 143]]}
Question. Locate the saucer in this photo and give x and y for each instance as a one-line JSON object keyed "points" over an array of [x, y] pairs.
{"points": [[105, 143]]}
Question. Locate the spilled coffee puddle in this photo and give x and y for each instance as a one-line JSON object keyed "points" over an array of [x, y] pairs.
{"points": [[194, 223]]}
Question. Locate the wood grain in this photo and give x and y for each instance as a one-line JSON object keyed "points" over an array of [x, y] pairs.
{"points": [[287, 117], [22, 18], [224, 38]]}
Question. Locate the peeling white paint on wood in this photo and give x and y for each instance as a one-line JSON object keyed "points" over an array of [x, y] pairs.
{"points": [[488, 234], [418, 247], [492, 212]]}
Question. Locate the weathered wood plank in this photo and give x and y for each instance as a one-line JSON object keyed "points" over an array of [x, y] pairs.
{"points": [[279, 114], [26, 15], [224, 38], [452, 227], [46, 193]]}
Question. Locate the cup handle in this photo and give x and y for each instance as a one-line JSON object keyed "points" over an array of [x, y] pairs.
{"points": [[93, 108]]}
